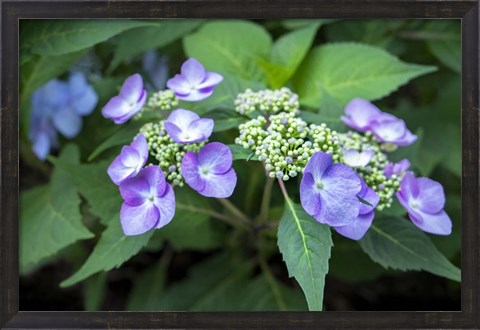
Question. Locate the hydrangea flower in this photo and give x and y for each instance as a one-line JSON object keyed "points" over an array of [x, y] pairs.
{"points": [[210, 171], [130, 161], [363, 116], [396, 168], [329, 191], [424, 200], [59, 106], [128, 102], [149, 202], [358, 228], [354, 158], [194, 83], [185, 126]]}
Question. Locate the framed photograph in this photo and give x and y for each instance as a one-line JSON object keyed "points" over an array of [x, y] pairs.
{"points": [[240, 164]]}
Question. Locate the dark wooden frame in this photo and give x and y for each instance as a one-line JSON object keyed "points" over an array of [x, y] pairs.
{"points": [[466, 10]]}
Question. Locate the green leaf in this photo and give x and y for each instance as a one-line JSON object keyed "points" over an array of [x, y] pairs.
{"points": [[225, 120], [349, 70], [446, 47], [241, 153], [94, 292], [50, 218], [191, 227], [397, 243], [57, 37], [136, 41], [287, 53], [95, 185], [230, 46], [305, 245], [112, 250]]}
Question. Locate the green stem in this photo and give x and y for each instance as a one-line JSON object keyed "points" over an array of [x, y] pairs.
{"points": [[272, 283], [211, 213], [235, 211], [267, 195], [283, 189]]}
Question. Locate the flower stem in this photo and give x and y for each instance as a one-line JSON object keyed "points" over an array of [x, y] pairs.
{"points": [[267, 195], [212, 213], [272, 283], [235, 211], [283, 189]]}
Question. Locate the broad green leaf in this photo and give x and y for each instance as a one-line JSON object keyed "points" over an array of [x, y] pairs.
{"points": [[348, 70], [50, 218], [136, 41], [191, 227], [305, 245], [147, 289], [241, 153], [287, 53], [95, 185], [94, 292], [112, 250], [56, 37], [123, 136], [230, 46], [445, 43], [398, 244]]}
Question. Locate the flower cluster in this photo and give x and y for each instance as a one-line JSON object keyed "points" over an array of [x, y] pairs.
{"points": [[266, 101], [58, 106], [179, 146], [163, 100]]}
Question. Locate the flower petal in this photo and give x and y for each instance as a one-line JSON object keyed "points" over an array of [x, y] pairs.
{"points": [[166, 206], [196, 95], [220, 185], [431, 197], [135, 191], [369, 195], [215, 156], [156, 179], [191, 172], [358, 228], [193, 71], [182, 118], [407, 139], [359, 114], [179, 85], [41, 145], [318, 164], [200, 129], [67, 122], [132, 88], [116, 107], [211, 79], [309, 197], [139, 219], [174, 132], [438, 223], [389, 131], [140, 144], [354, 158]]}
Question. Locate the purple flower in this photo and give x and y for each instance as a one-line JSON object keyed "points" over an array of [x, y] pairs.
{"points": [[424, 200], [194, 83], [130, 161], [329, 191], [363, 116], [396, 168], [58, 106], [357, 229], [149, 202], [128, 102], [185, 126], [210, 171], [354, 158]]}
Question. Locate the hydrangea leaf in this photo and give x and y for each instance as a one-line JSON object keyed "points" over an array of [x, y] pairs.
{"points": [[230, 47], [349, 70], [305, 245], [241, 153], [50, 218], [129, 44], [287, 53], [396, 243], [445, 42], [112, 250], [57, 37]]}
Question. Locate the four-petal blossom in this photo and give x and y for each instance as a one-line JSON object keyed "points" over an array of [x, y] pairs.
{"points": [[130, 161], [363, 116], [194, 83], [149, 202], [396, 168], [128, 102], [354, 158], [210, 171], [185, 126], [329, 191], [424, 200], [357, 229]]}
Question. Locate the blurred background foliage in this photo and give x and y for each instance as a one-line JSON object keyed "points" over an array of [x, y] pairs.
{"points": [[203, 265]]}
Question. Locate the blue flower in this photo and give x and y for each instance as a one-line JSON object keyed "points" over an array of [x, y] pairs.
{"points": [[58, 106], [185, 126], [328, 191]]}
